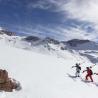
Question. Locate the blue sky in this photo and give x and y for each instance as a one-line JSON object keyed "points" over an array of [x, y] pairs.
{"points": [[60, 19]]}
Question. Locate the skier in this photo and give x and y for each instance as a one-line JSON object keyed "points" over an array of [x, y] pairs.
{"points": [[89, 73], [78, 69]]}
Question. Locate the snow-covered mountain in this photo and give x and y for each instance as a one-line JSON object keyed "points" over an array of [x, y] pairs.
{"points": [[3, 31], [84, 48], [45, 76], [77, 44]]}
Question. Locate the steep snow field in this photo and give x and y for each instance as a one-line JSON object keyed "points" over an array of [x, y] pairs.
{"points": [[44, 76]]}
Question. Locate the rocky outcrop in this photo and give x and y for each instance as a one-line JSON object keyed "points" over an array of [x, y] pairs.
{"points": [[7, 33], [6, 83]]}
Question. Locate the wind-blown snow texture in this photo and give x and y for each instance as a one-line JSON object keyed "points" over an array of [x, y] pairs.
{"points": [[45, 76]]}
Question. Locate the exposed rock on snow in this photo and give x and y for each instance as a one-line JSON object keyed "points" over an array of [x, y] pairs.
{"points": [[6, 83]]}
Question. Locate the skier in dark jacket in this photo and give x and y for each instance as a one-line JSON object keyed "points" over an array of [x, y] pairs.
{"points": [[89, 73], [78, 69]]}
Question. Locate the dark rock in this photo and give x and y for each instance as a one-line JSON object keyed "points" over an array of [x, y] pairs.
{"points": [[50, 40], [7, 33]]}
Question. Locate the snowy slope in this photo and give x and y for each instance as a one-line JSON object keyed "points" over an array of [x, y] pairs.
{"points": [[44, 76]]}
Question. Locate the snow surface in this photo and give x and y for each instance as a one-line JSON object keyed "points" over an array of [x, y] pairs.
{"points": [[45, 76]]}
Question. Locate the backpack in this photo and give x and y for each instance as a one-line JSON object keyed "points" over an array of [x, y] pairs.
{"points": [[90, 72], [79, 67]]}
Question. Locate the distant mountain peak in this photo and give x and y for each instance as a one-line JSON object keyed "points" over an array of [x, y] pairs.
{"points": [[51, 40], [7, 32], [31, 38], [75, 42]]}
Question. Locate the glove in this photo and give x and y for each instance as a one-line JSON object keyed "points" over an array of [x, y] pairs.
{"points": [[72, 66]]}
